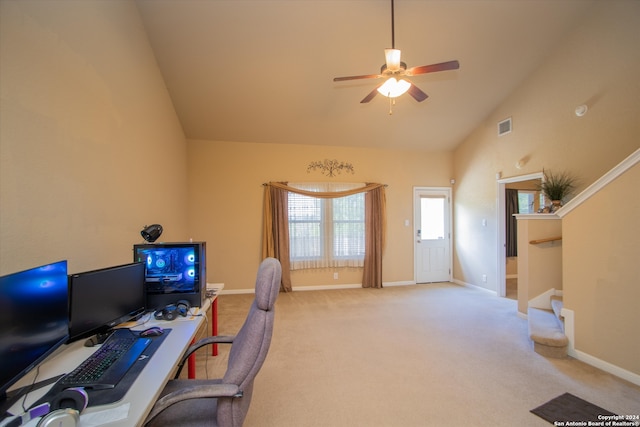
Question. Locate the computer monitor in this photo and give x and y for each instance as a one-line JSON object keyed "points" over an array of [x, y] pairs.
{"points": [[101, 299], [173, 272], [34, 319]]}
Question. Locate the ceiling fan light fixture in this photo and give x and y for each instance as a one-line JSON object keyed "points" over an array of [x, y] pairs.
{"points": [[393, 59], [393, 88], [394, 69]]}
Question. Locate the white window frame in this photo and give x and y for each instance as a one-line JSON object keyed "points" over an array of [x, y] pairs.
{"points": [[327, 257]]}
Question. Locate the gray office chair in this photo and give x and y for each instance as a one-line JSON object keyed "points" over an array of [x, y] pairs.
{"points": [[225, 402]]}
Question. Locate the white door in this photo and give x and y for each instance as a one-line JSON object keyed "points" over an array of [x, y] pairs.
{"points": [[432, 234]]}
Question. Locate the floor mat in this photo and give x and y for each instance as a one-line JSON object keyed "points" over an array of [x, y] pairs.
{"points": [[568, 407]]}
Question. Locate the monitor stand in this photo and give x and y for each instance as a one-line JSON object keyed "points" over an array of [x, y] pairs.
{"points": [[97, 338]]}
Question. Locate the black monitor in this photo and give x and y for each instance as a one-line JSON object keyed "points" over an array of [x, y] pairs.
{"points": [[101, 299], [34, 319], [174, 271]]}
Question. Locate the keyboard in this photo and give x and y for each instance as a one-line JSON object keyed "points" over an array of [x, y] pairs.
{"points": [[106, 367]]}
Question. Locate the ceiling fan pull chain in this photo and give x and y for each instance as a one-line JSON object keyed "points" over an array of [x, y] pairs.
{"points": [[392, 101]]}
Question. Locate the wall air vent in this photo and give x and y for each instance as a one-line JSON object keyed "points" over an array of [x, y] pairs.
{"points": [[504, 127]]}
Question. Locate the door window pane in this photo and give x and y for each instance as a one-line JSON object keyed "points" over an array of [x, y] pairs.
{"points": [[432, 217]]}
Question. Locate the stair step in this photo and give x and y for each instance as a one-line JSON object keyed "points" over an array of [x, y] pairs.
{"points": [[556, 306], [546, 332]]}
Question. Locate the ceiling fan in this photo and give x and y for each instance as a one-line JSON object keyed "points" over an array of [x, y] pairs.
{"points": [[394, 70]]}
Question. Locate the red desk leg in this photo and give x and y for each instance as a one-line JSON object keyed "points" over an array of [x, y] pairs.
{"points": [[214, 325], [191, 365]]}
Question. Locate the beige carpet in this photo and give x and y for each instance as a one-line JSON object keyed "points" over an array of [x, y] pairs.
{"points": [[423, 355]]}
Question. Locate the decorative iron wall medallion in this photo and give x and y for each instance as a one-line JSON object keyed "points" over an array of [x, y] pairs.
{"points": [[330, 167]]}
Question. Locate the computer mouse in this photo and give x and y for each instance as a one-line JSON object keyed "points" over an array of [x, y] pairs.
{"points": [[153, 331]]}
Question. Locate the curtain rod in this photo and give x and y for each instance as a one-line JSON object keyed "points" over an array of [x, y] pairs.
{"points": [[264, 184]]}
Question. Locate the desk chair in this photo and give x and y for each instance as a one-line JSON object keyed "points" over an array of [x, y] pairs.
{"points": [[225, 402]]}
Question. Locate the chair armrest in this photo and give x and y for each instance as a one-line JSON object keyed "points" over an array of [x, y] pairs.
{"points": [[199, 391], [217, 339]]}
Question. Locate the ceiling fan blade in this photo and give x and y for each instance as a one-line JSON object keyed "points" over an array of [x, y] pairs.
{"points": [[443, 66], [370, 96], [417, 93], [368, 76]]}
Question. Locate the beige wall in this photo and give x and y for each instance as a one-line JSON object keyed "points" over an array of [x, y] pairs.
{"points": [[598, 64], [601, 272], [539, 265], [90, 145], [225, 181], [530, 185]]}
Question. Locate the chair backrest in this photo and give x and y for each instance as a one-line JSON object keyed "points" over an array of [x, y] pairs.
{"points": [[251, 344]]}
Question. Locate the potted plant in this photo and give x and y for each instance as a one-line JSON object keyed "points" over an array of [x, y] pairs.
{"points": [[556, 187]]}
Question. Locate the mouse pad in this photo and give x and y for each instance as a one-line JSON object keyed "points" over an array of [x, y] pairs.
{"points": [[103, 397]]}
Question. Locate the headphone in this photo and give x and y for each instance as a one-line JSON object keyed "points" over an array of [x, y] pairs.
{"points": [[63, 410], [66, 407], [172, 311]]}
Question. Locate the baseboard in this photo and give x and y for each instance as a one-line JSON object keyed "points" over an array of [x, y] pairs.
{"points": [[460, 282], [569, 330], [404, 283], [470, 285], [605, 366], [319, 287], [326, 287], [236, 291], [569, 326]]}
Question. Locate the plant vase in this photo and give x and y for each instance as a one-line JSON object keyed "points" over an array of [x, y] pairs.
{"points": [[556, 187]]}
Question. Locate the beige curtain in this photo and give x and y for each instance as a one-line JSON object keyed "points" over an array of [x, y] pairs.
{"points": [[375, 225], [275, 239], [275, 232]]}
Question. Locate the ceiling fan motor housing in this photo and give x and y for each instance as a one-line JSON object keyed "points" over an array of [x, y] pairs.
{"points": [[385, 71]]}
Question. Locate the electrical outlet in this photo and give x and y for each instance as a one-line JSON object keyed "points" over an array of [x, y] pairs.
{"points": [[335, 276], [484, 277]]}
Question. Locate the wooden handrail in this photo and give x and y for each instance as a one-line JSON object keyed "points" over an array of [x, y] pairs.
{"points": [[548, 239]]}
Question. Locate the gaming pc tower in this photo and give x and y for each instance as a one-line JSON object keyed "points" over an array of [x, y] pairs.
{"points": [[173, 272]]}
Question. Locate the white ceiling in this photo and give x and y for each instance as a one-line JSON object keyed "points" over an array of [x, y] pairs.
{"points": [[262, 70]]}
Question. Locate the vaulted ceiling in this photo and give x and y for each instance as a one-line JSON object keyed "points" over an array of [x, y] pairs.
{"points": [[262, 70]]}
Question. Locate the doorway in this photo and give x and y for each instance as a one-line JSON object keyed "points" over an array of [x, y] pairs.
{"points": [[528, 181], [432, 234]]}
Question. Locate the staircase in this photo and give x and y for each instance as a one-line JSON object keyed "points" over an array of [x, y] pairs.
{"points": [[546, 327]]}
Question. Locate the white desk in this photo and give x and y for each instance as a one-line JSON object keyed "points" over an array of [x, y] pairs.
{"points": [[143, 393]]}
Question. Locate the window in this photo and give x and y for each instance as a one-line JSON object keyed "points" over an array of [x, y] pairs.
{"points": [[326, 232], [527, 201]]}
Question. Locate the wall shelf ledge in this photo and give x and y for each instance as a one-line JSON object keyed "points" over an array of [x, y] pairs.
{"points": [[548, 239]]}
